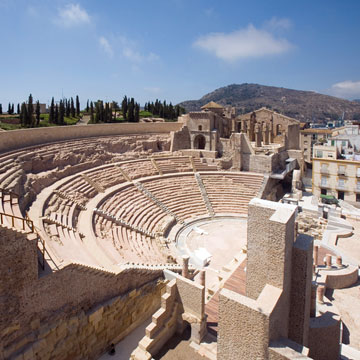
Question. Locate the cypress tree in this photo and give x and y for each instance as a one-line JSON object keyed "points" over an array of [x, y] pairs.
{"points": [[52, 112], [0, 109], [67, 108], [61, 113], [87, 106], [77, 106], [9, 109], [56, 114], [130, 112], [92, 112], [124, 107], [17, 110], [72, 108], [30, 111], [37, 112], [137, 112], [23, 114]]}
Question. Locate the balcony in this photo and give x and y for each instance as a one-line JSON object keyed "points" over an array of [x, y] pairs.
{"points": [[324, 171], [342, 173], [324, 186], [341, 187], [357, 189]]}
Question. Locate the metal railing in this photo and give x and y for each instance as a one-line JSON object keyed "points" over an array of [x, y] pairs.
{"points": [[24, 222]]}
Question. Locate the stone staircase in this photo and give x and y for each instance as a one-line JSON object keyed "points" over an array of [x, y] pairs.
{"points": [[153, 198], [66, 196], [191, 159], [95, 185], [122, 222], [124, 174], [154, 163], [162, 327], [50, 220], [204, 195]]}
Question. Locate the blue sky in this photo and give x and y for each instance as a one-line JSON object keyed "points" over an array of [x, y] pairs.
{"points": [[175, 49]]}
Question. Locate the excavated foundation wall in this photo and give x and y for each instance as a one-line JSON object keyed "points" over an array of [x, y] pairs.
{"points": [[87, 335]]}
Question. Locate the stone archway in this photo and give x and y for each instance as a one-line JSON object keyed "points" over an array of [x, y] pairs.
{"points": [[199, 142]]}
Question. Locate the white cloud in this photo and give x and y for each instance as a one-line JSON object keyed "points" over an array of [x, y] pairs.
{"points": [[241, 44], [346, 89], [278, 23], [72, 15], [105, 45]]}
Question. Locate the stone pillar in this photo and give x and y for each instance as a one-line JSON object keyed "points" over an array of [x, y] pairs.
{"points": [[320, 294], [202, 277], [252, 126], [257, 135], [244, 127], [271, 133], [316, 255], [265, 134], [339, 263], [328, 261], [313, 300], [185, 266]]}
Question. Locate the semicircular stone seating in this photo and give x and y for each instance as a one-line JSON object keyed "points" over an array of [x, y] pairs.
{"points": [[152, 189]]}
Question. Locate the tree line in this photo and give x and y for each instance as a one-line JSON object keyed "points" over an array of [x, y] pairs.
{"points": [[164, 110]]}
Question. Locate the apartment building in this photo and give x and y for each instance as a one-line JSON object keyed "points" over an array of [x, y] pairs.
{"points": [[332, 174]]}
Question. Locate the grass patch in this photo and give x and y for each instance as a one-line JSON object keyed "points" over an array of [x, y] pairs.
{"points": [[144, 113], [6, 126]]}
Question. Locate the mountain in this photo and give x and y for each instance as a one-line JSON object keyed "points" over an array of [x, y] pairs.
{"points": [[301, 105]]}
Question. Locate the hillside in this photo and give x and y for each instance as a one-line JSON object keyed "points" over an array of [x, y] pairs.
{"points": [[301, 105]]}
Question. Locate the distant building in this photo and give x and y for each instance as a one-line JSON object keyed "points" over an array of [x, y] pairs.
{"points": [[310, 137], [42, 108], [335, 175]]}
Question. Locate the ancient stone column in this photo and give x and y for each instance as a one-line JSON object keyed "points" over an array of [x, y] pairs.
{"points": [[271, 134], [313, 300], [316, 255], [244, 127], [202, 277], [320, 294], [267, 134], [252, 126], [185, 266], [328, 261], [257, 135], [264, 134], [339, 263]]}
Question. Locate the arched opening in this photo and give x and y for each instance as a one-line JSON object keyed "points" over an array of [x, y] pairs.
{"points": [[278, 129], [199, 142], [200, 127]]}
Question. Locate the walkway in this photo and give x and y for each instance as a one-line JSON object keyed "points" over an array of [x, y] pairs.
{"points": [[236, 283], [84, 120]]}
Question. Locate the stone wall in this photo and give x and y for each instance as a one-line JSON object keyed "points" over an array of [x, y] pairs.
{"points": [[180, 139], [10, 140], [71, 290], [88, 334], [302, 260]]}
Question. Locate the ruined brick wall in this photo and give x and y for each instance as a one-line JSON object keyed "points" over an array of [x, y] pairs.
{"points": [[18, 269], [88, 334], [180, 139], [10, 140]]}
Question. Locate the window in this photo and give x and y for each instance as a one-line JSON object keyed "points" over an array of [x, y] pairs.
{"points": [[323, 181], [341, 183], [358, 172], [200, 127], [341, 170], [358, 186], [319, 154], [323, 192], [330, 155], [357, 197], [341, 195], [343, 143], [332, 142]]}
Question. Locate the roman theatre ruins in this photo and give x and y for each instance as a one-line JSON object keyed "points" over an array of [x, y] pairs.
{"points": [[104, 226]]}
